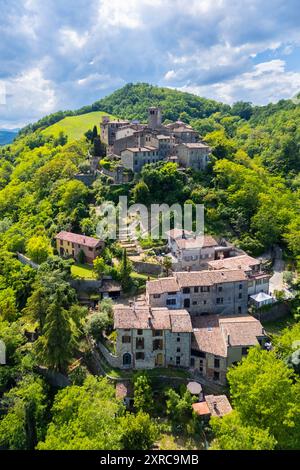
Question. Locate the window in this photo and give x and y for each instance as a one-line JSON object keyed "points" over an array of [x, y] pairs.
{"points": [[139, 343], [61, 242], [205, 289], [177, 360], [220, 288], [178, 339], [171, 302], [244, 351], [240, 296], [140, 356], [186, 290], [158, 344], [139, 332], [204, 302], [186, 303], [126, 339], [220, 300], [217, 363], [157, 333], [156, 296], [241, 286], [192, 362], [178, 350], [239, 309], [216, 375], [196, 290], [90, 249], [194, 302]]}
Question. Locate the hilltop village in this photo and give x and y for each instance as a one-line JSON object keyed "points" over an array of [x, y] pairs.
{"points": [[139, 340], [198, 316]]}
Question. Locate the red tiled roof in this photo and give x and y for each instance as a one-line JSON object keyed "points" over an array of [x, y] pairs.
{"points": [[201, 408], [209, 278], [145, 318], [163, 285], [212, 332], [205, 241], [79, 239], [244, 262]]}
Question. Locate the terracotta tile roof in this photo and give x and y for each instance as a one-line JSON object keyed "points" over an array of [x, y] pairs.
{"points": [[79, 239], [160, 286], [140, 149], [199, 242], [218, 405], [196, 145], [180, 321], [212, 333], [201, 408], [145, 318], [243, 332], [178, 232], [244, 262], [209, 278], [207, 336]]}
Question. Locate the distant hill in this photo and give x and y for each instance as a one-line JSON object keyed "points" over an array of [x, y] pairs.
{"points": [[75, 126], [7, 136]]}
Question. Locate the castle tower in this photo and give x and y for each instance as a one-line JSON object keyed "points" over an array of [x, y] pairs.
{"points": [[154, 118]]}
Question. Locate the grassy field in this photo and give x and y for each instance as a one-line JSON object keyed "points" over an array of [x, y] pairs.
{"points": [[84, 271], [75, 126]]}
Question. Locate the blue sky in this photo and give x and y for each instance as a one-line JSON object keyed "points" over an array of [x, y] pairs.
{"points": [[62, 54]]}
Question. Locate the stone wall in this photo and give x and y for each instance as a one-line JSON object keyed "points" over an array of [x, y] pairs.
{"points": [[147, 268], [273, 312], [114, 361], [88, 180], [24, 260]]}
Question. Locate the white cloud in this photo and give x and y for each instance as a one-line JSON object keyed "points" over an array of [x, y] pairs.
{"points": [[100, 81], [71, 39], [266, 82], [27, 92]]}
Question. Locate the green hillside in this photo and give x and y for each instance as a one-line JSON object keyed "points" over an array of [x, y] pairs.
{"points": [[75, 126]]}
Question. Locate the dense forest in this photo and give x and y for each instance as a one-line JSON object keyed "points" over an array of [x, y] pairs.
{"points": [[251, 195]]}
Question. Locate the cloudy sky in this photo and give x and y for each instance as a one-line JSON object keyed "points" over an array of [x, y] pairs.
{"points": [[62, 54]]}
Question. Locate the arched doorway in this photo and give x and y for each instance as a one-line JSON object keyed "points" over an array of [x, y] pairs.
{"points": [[126, 359]]}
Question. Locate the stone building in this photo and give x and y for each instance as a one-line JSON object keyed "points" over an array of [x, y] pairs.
{"points": [[258, 280], [71, 244], [154, 118], [136, 157], [220, 341], [109, 129], [152, 337], [193, 155], [159, 337], [201, 292]]}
